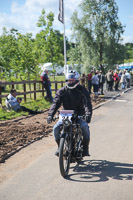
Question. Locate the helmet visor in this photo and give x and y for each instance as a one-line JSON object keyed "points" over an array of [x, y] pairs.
{"points": [[71, 76]]}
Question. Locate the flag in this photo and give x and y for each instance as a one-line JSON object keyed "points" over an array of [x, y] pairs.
{"points": [[61, 11]]}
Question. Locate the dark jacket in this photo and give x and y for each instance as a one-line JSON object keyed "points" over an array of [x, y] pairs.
{"points": [[45, 79], [77, 99]]}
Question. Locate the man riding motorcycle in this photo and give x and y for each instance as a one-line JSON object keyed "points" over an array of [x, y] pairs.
{"points": [[72, 96]]}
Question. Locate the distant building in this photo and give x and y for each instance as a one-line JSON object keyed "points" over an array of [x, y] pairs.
{"points": [[76, 67], [59, 69], [128, 66]]}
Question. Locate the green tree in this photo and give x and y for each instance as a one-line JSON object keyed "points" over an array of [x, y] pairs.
{"points": [[17, 55], [27, 60], [8, 50], [129, 52], [98, 31], [49, 41], [74, 56]]}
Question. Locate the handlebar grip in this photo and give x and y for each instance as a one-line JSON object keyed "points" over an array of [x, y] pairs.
{"points": [[55, 118]]}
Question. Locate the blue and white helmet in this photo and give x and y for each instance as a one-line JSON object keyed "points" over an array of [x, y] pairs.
{"points": [[72, 75]]}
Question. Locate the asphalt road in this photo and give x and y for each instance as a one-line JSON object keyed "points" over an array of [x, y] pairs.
{"points": [[106, 174]]}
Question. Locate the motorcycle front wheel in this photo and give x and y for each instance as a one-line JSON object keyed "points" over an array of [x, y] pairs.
{"points": [[64, 156]]}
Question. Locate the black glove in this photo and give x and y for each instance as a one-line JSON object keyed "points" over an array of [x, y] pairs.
{"points": [[88, 118], [49, 119]]}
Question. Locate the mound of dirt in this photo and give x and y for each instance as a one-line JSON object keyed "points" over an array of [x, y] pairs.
{"points": [[18, 133]]}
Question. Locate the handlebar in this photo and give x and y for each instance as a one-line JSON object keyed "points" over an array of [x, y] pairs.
{"points": [[79, 117], [55, 118]]}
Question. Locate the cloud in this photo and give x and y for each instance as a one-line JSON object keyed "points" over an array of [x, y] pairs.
{"points": [[130, 19], [127, 39], [24, 17]]}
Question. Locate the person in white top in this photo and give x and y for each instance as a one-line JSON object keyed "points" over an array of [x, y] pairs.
{"points": [[123, 80], [128, 76], [13, 103]]}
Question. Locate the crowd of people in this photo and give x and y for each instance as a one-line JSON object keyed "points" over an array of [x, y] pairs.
{"points": [[112, 80]]}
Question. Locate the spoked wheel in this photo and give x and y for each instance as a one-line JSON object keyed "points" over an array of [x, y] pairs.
{"points": [[64, 157]]}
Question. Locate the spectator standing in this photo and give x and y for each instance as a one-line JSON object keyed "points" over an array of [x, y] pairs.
{"points": [[128, 77], [109, 78], [89, 81], [123, 80], [13, 103], [120, 74], [82, 79], [101, 81], [47, 85], [116, 80], [95, 83], [112, 82]]}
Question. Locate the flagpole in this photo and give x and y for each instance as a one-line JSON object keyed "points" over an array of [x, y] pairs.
{"points": [[65, 60], [61, 18]]}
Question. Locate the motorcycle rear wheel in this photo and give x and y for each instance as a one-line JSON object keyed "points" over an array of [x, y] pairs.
{"points": [[64, 157]]}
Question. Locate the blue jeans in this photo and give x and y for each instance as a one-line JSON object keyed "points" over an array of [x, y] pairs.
{"points": [[123, 85], [83, 124], [89, 86], [50, 93], [95, 88]]}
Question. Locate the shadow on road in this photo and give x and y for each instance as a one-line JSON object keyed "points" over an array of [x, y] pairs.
{"points": [[100, 170]]}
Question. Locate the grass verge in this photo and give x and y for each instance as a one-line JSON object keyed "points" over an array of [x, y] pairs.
{"points": [[39, 104]]}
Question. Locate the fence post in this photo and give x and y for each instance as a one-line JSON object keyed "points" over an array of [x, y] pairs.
{"points": [[55, 86], [61, 83], [34, 91], [42, 90], [12, 85], [0, 94], [24, 91], [86, 81]]}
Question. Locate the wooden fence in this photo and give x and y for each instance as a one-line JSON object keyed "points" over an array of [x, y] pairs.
{"points": [[25, 92]]}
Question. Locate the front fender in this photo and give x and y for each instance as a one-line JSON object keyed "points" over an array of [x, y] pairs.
{"points": [[63, 134]]}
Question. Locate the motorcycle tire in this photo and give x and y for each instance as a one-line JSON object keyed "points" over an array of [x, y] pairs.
{"points": [[64, 156]]}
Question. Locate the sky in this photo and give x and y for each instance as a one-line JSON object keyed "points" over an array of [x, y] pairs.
{"points": [[24, 14]]}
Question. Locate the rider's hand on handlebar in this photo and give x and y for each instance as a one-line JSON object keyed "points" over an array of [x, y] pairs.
{"points": [[49, 119], [88, 118]]}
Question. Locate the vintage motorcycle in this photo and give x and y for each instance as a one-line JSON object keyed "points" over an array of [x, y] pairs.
{"points": [[71, 142]]}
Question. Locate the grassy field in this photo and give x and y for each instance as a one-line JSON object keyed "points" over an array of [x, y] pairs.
{"points": [[39, 104]]}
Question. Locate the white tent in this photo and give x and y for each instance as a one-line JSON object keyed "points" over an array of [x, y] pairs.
{"points": [[46, 65], [49, 66]]}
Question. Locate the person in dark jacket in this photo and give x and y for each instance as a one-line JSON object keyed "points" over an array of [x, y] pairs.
{"points": [[47, 85], [72, 96], [82, 80], [89, 81]]}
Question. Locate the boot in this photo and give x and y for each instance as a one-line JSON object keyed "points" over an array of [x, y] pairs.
{"points": [[86, 148], [57, 151]]}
